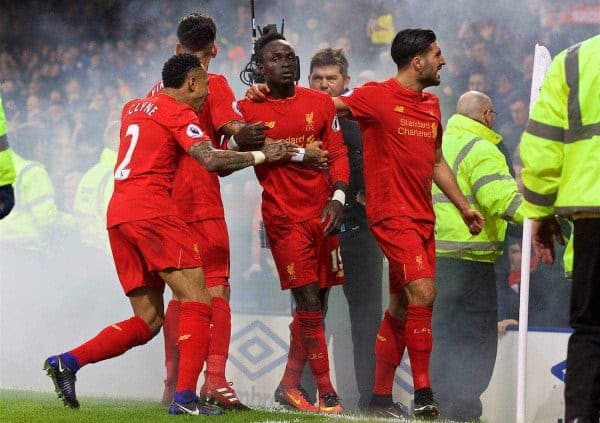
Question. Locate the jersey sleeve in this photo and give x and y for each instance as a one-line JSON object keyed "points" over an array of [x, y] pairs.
{"points": [[222, 103], [186, 129], [339, 167], [360, 101]]}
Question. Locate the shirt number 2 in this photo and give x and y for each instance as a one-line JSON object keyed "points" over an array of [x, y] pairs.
{"points": [[122, 172]]}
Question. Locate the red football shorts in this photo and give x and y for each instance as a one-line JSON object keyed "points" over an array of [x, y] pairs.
{"points": [[214, 250], [303, 255], [409, 246], [141, 248]]}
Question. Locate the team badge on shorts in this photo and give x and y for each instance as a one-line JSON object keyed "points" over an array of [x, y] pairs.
{"points": [[291, 271]]}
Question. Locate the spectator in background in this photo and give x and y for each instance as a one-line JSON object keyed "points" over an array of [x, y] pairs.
{"points": [[93, 194], [548, 290], [511, 131], [478, 81]]}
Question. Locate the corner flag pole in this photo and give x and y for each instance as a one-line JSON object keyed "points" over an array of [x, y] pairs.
{"points": [[541, 64]]}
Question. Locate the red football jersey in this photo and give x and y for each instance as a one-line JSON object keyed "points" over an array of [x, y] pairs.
{"points": [[196, 191], [292, 192], [155, 133], [401, 131]]}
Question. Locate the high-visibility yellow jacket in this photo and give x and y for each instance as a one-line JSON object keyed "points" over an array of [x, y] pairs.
{"points": [[30, 223], [560, 147], [568, 258], [92, 198], [7, 167], [483, 176]]}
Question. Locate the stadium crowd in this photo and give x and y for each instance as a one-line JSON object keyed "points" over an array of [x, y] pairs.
{"points": [[67, 71]]}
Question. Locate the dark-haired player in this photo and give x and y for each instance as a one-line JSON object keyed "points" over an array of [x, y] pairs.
{"points": [[300, 214], [197, 194], [151, 244], [401, 127]]}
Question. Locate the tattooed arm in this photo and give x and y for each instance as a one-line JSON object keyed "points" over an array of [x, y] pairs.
{"points": [[223, 160]]}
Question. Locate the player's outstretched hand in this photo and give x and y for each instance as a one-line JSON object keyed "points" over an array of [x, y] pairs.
{"points": [[314, 157], [474, 220], [332, 215], [277, 151], [251, 136], [543, 234], [257, 92]]}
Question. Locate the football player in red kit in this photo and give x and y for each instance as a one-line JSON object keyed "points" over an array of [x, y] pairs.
{"points": [[401, 128], [300, 214], [197, 195], [151, 244]]}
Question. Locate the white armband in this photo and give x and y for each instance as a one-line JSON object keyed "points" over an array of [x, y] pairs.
{"points": [[232, 145], [340, 196], [259, 157], [299, 156]]}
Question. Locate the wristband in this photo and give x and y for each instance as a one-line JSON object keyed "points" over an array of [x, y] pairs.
{"points": [[299, 156], [340, 196], [232, 145], [259, 157]]}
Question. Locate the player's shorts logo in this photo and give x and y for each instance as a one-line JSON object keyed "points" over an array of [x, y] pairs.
{"points": [[419, 260], [291, 271], [194, 131]]}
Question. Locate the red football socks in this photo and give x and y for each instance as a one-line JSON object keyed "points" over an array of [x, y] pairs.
{"points": [[389, 348], [296, 357], [419, 342], [312, 335], [219, 343], [112, 341], [170, 332], [193, 340]]}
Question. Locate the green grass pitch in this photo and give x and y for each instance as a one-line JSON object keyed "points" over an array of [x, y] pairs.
{"points": [[44, 407], [34, 407]]}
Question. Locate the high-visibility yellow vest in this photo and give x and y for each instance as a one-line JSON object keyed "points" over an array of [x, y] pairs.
{"points": [[30, 223], [7, 167], [568, 258], [483, 176], [385, 32], [560, 147], [92, 198]]}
